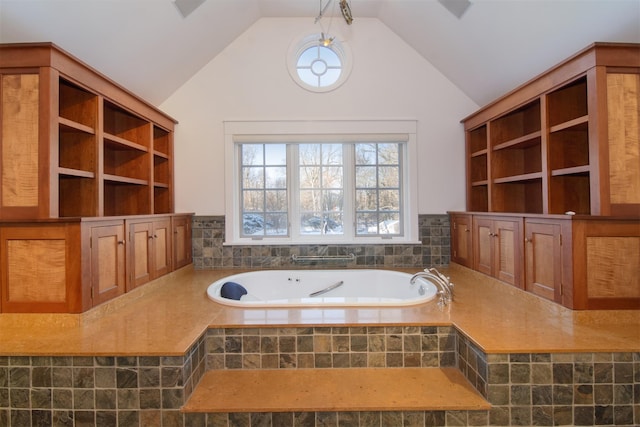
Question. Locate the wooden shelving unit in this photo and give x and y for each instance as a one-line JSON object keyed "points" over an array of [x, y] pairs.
{"points": [[559, 157], [562, 141], [81, 158]]}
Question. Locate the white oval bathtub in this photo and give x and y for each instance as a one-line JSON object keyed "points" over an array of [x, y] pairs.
{"points": [[304, 288]]}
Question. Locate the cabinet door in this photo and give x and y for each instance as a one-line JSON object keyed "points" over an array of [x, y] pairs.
{"points": [[181, 241], [483, 245], [139, 256], [544, 260], [461, 248], [161, 248], [149, 254], [107, 262], [507, 251]]}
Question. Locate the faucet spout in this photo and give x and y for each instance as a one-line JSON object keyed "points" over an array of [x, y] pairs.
{"points": [[438, 279]]}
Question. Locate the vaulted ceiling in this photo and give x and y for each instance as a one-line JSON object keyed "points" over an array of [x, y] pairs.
{"points": [[150, 48]]}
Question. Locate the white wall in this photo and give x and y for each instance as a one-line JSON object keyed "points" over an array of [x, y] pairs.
{"points": [[249, 80]]}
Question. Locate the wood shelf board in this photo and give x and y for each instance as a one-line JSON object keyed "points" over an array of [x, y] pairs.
{"points": [[524, 141], [115, 179], [123, 144], [580, 123], [67, 124], [75, 173], [479, 153], [338, 389], [576, 170], [518, 178]]}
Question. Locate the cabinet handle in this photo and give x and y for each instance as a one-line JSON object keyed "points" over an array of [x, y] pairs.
{"points": [[467, 230], [121, 242], [527, 240]]}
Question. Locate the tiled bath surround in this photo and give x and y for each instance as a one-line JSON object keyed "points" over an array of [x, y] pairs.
{"points": [[209, 252], [524, 389]]}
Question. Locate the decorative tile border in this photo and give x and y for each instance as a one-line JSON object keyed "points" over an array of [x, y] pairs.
{"points": [[209, 252]]}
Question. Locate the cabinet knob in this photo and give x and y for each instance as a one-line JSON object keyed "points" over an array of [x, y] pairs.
{"points": [[121, 242], [466, 230], [527, 240]]}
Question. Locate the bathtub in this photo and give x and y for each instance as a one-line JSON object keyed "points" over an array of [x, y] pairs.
{"points": [[323, 288]]}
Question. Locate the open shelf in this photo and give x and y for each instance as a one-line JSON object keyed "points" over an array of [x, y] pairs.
{"points": [[125, 162], [479, 198], [478, 140], [162, 200], [77, 105], [569, 147], [568, 102], [125, 126], [161, 142], [523, 196], [512, 127], [123, 198], [78, 195], [515, 159], [570, 193]]}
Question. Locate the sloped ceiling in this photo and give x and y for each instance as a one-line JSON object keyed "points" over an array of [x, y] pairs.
{"points": [[150, 48]]}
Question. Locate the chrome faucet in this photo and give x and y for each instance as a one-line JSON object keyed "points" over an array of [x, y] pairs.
{"points": [[438, 279]]}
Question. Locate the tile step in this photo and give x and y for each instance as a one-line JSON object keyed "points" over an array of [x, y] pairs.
{"points": [[330, 390]]}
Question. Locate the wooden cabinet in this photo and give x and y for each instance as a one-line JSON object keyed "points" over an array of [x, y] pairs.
{"points": [[149, 253], [181, 226], [584, 262], [565, 141], [461, 239], [79, 145], [61, 266], [497, 248]]}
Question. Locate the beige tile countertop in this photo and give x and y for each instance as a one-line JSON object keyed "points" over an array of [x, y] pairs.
{"points": [[165, 317]]}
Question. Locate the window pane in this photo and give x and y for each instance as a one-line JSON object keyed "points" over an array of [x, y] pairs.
{"points": [[331, 154], [330, 76], [310, 200], [366, 177], [389, 200], [389, 176], [307, 57], [276, 177], [332, 201], [308, 77], [253, 224], [389, 224], [276, 224], [366, 200], [253, 200], [275, 154], [310, 177], [388, 154], [252, 154], [329, 56], [252, 177], [365, 154], [367, 223], [276, 200], [309, 154], [332, 177]]}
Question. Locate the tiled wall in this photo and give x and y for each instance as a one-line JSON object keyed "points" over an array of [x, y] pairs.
{"points": [[209, 252]]}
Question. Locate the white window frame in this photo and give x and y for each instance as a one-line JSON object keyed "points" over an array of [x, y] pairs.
{"points": [[245, 131]]}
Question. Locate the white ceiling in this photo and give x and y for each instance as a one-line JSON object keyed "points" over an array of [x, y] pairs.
{"points": [[148, 47]]}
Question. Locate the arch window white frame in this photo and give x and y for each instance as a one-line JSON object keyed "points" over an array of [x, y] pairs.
{"points": [[317, 67]]}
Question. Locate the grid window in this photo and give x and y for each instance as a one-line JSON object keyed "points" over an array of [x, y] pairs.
{"points": [[264, 190], [378, 190], [321, 192]]}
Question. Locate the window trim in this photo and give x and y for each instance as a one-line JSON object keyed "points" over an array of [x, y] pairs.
{"points": [[278, 131]]}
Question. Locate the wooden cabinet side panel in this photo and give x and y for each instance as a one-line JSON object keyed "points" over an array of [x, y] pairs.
{"points": [[623, 105], [40, 269], [606, 264], [20, 141]]}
